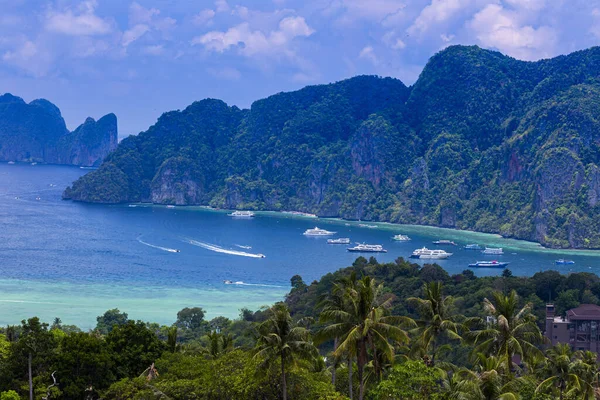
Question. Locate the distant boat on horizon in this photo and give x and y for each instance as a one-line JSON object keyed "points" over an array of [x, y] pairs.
{"points": [[473, 247], [489, 264], [316, 231], [562, 261], [444, 242], [400, 238], [242, 214], [338, 241], [367, 248], [493, 251]]}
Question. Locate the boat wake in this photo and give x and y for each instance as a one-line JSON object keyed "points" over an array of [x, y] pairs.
{"points": [[240, 283], [158, 247], [243, 247], [219, 249]]}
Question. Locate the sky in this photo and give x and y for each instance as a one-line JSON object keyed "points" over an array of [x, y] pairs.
{"points": [[141, 58]]}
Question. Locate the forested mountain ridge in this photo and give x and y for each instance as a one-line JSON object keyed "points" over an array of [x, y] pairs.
{"points": [[36, 131], [481, 141]]}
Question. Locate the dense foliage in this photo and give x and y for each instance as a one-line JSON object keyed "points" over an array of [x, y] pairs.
{"points": [[36, 131], [393, 331], [481, 141]]}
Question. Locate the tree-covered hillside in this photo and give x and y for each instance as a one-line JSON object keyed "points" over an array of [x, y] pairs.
{"points": [[481, 141]]}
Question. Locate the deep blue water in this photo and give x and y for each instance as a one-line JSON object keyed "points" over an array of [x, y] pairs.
{"points": [[73, 260]]}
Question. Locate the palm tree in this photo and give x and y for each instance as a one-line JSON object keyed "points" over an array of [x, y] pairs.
{"points": [[436, 319], [363, 324], [562, 371], [586, 367], [281, 340], [512, 332], [487, 379]]}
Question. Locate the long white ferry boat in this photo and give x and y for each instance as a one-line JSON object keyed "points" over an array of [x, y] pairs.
{"points": [[367, 248], [317, 232], [339, 241], [489, 264], [242, 214], [426, 254], [493, 251]]}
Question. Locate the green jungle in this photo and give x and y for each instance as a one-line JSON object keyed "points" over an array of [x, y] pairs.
{"points": [[481, 141], [370, 331]]}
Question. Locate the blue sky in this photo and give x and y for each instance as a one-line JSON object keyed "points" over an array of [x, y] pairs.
{"points": [[141, 58]]}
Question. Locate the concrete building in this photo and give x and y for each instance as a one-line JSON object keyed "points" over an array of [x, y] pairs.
{"points": [[580, 327]]}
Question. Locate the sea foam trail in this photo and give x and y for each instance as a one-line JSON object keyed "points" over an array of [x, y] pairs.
{"points": [[253, 284], [243, 247], [219, 249], [158, 247]]}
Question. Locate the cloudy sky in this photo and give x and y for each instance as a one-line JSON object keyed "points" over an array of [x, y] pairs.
{"points": [[141, 58]]}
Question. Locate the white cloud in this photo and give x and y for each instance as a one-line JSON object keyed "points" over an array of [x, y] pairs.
{"points": [[436, 12], [227, 73], [204, 17], [29, 57], [368, 53], [154, 50], [392, 40], [252, 42], [351, 10], [222, 6], [446, 38], [499, 28], [82, 21], [141, 15], [595, 29], [534, 5], [133, 34]]}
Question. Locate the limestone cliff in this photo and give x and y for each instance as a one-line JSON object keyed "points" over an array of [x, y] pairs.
{"points": [[37, 132]]}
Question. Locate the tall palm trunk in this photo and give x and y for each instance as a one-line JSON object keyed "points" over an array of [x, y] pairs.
{"points": [[283, 383], [350, 383], [361, 360], [30, 378], [335, 345]]}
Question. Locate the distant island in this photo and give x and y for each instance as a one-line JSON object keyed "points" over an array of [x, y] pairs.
{"points": [[36, 132], [481, 141]]}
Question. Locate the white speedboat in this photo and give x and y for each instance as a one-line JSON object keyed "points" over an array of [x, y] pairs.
{"points": [[401, 238], [11, 162], [170, 206], [489, 264], [339, 241], [444, 242], [242, 214], [426, 254], [367, 226], [493, 251], [33, 163], [367, 248], [317, 232]]}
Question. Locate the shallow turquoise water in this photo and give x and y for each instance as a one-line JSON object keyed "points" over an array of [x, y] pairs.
{"points": [[74, 261]]}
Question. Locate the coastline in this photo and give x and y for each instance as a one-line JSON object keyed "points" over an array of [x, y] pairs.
{"points": [[489, 239]]}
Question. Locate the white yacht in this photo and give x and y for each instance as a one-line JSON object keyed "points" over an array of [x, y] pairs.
{"points": [[427, 254], [367, 248], [401, 238], [317, 232], [493, 251], [339, 241], [242, 214]]}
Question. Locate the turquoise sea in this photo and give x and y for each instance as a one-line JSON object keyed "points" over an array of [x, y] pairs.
{"points": [[74, 261]]}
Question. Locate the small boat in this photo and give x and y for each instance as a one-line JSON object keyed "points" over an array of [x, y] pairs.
{"points": [[493, 251], [473, 247], [17, 198], [339, 241], [38, 198], [444, 242], [367, 226], [261, 255], [11, 162], [170, 206], [227, 282], [427, 254], [132, 205], [367, 248], [400, 238], [317, 232], [33, 163], [242, 214], [489, 264], [562, 261]]}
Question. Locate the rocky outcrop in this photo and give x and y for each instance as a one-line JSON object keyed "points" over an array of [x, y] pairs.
{"points": [[37, 132]]}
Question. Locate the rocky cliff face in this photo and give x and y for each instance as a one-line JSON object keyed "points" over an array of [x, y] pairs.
{"points": [[36, 131]]}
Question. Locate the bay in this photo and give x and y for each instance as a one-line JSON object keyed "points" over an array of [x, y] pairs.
{"points": [[74, 261]]}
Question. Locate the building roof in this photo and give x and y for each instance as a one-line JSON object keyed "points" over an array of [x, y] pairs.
{"points": [[584, 311]]}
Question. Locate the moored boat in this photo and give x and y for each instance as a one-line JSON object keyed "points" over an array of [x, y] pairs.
{"points": [[493, 251], [489, 264], [367, 226], [401, 238], [425, 254], [473, 247], [338, 241], [242, 214], [367, 248], [317, 232], [444, 242], [562, 261]]}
